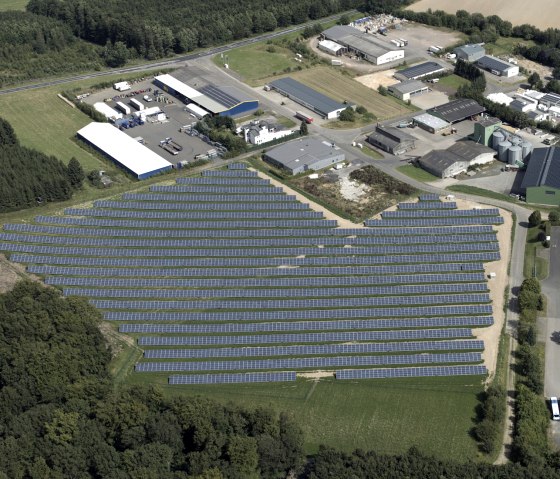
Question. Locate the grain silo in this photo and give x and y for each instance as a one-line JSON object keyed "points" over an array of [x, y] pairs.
{"points": [[526, 148], [497, 138], [514, 155], [503, 148]]}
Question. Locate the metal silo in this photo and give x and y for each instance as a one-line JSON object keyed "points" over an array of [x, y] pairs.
{"points": [[526, 148], [514, 155], [503, 148], [515, 140], [497, 138]]}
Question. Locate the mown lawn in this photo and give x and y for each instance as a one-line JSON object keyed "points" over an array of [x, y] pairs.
{"points": [[389, 416], [453, 81], [417, 173], [13, 5]]}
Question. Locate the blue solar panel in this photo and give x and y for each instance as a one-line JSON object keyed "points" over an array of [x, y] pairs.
{"points": [[232, 378], [194, 199], [306, 350], [429, 197], [220, 96], [237, 166], [427, 205], [414, 334], [230, 173], [229, 181], [307, 363], [477, 220], [218, 190], [441, 213], [471, 370], [202, 207]]}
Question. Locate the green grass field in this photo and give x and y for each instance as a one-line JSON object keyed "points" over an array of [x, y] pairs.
{"points": [[473, 190], [533, 264], [417, 173], [506, 45], [13, 5], [388, 416], [453, 81]]}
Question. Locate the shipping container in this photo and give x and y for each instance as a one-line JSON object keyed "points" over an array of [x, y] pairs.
{"points": [[122, 107], [304, 117], [137, 104]]}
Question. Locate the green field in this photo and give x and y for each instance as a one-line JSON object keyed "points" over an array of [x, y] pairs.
{"points": [[388, 416], [506, 45], [453, 81], [417, 173], [13, 5], [473, 190], [534, 265]]}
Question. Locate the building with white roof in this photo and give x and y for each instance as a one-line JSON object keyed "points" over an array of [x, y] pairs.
{"points": [[500, 98], [107, 111], [123, 150], [332, 48]]}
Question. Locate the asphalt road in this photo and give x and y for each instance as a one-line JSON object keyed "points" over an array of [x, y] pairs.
{"points": [[174, 61]]}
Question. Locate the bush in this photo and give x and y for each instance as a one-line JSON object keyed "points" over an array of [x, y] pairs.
{"points": [[362, 110], [554, 216], [546, 244], [382, 90], [347, 115], [530, 300], [372, 176], [535, 218], [531, 284]]}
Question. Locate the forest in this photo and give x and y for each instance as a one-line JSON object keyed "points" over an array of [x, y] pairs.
{"points": [[30, 178]]}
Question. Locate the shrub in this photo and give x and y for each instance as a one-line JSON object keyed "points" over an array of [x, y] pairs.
{"points": [[535, 218]]}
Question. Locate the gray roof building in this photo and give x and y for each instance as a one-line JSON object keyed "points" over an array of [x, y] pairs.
{"points": [[308, 97], [419, 71], [543, 168], [431, 123], [470, 53], [407, 89], [550, 99], [457, 110], [305, 154], [392, 140], [456, 159], [497, 66]]}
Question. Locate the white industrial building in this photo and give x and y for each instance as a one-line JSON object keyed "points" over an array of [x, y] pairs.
{"points": [[196, 110], [407, 89], [123, 150], [500, 98], [523, 106], [263, 133], [363, 45], [107, 111], [498, 67], [330, 47]]}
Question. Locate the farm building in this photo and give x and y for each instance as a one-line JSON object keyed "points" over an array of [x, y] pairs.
{"points": [[222, 101], [457, 110], [497, 67], [523, 106], [456, 159], [107, 111], [550, 99], [419, 71], [431, 123], [363, 45], [470, 53], [263, 132], [407, 89], [308, 97], [332, 48], [541, 182], [392, 140], [303, 155], [123, 150], [484, 129]]}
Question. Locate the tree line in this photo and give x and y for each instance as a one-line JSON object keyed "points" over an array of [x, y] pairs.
{"points": [[29, 178]]}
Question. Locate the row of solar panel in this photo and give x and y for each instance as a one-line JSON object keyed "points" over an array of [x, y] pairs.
{"points": [[193, 215], [198, 198], [440, 213], [429, 197], [218, 190], [256, 272], [229, 173], [230, 181], [359, 302], [329, 314], [237, 166], [131, 223], [231, 206], [240, 243], [244, 262], [233, 378], [474, 220], [306, 363], [270, 283], [240, 327], [474, 370], [427, 205], [276, 293], [307, 350], [400, 335], [234, 254]]}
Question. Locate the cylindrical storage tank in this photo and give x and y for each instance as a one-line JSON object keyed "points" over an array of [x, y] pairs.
{"points": [[503, 148], [515, 140], [526, 149], [514, 155], [497, 138]]}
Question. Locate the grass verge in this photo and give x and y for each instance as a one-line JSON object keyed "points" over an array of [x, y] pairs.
{"points": [[417, 173], [473, 190], [534, 265]]}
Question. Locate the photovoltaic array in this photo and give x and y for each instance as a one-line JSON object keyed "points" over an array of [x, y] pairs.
{"points": [[227, 279]]}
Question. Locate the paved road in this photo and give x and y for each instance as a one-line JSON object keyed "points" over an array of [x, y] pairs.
{"points": [[174, 61]]}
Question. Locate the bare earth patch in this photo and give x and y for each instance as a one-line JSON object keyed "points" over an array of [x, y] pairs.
{"points": [[316, 374], [351, 190], [373, 80]]}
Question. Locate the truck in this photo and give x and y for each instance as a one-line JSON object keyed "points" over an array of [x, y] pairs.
{"points": [[336, 63], [303, 117], [397, 43], [122, 86], [433, 49], [403, 42], [137, 104], [122, 107]]}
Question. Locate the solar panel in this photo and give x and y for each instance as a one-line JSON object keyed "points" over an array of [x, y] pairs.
{"points": [[468, 370], [203, 207], [232, 378], [429, 197], [229, 181], [428, 205], [306, 337], [229, 173], [303, 350], [237, 166], [441, 213], [218, 190], [475, 220], [220, 96], [195, 199], [307, 363]]}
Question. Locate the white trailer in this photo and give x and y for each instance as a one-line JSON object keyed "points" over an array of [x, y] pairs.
{"points": [[107, 111], [433, 49], [122, 86], [122, 107], [137, 104]]}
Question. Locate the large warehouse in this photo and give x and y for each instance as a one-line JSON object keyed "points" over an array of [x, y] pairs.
{"points": [[407, 89], [123, 150], [456, 159], [392, 140], [363, 45], [541, 182], [421, 70], [497, 67], [308, 97], [457, 110], [222, 101], [303, 155], [470, 53]]}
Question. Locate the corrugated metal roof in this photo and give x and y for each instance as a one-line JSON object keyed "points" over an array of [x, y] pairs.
{"points": [[307, 151], [423, 69], [469, 150], [493, 63], [457, 110], [409, 86], [470, 49], [543, 168], [357, 40], [432, 121]]}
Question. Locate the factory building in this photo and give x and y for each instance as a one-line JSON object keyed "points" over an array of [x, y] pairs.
{"points": [[484, 129], [363, 45], [332, 48], [308, 97], [497, 67], [431, 123], [550, 99], [304, 155], [222, 101], [392, 140], [421, 70], [541, 182], [407, 89], [523, 106], [125, 151], [457, 110], [456, 159], [470, 53]]}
